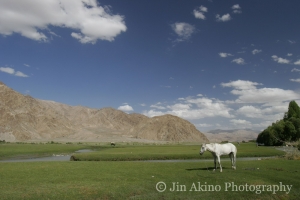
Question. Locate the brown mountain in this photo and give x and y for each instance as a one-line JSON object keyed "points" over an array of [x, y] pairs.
{"points": [[24, 118]]}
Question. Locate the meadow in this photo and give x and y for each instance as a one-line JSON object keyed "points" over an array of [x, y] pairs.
{"points": [[142, 179], [167, 152]]}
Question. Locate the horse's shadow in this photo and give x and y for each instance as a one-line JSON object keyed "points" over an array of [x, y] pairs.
{"points": [[204, 168]]}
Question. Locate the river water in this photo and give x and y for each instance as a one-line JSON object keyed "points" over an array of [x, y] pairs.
{"points": [[48, 158]]}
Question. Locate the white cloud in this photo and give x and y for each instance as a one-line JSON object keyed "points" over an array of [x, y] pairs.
{"points": [[21, 74], [11, 71], [7, 70], [33, 19], [236, 9], [158, 106], [153, 113], [261, 112], [297, 62], [240, 122], [199, 13], [236, 6], [247, 92], [295, 70], [241, 84], [239, 61], [183, 30], [252, 107], [224, 55], [125, 108], [280, 60], [193, 108], [180, 106], [256, 51], [295, 80], [289, 54], [250, 111], [203, 9], [224, 18]]}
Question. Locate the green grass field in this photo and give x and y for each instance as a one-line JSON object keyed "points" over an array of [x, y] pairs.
{"points": [[138, 179], [167, 152], [24, 150]]}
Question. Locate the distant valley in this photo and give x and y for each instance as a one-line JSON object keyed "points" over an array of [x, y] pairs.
{"points": [[235, 135]]}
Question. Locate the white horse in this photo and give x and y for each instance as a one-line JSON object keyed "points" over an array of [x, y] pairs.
{"points": [[220, 149]]}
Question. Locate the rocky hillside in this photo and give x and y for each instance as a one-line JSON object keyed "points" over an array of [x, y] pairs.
{"points": [[24, 118]]}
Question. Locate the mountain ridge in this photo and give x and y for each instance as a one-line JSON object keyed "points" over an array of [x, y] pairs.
{"points": [[24, 118]]}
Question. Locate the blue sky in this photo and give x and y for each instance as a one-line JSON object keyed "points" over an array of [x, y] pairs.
{"points": [[219, 64]]}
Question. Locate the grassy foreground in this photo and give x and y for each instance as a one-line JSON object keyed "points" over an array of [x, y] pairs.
{"points": [[138, 180], [141, 179]]}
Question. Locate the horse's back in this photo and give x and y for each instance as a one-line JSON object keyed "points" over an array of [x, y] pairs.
{"points": [[233, 147], [229, 148]]}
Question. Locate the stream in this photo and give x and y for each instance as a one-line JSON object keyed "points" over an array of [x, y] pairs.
{"points": [[54, 157]]}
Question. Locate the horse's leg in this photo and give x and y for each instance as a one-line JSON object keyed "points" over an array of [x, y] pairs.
{"points": [[234, 160], [219, 163], [231, 158], [215, 161]]}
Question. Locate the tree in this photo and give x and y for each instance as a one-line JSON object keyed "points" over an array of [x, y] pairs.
{"points": [[293, 110], [296, 123], [285, 130]]}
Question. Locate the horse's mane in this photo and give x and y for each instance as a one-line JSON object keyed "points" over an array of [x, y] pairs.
{"points": [[211, 147]]}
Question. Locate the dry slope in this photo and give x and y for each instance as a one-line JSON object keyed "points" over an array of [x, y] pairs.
{"points": [[25, 118]]}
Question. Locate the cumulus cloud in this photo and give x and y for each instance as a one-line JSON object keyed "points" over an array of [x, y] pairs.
{"points": [[236, 9], [236, 6], [240, 122], [199, 13], [295, 80], [224, 55], [247, 92], [280, 60], [223, 18], [256, 51], [239, 61], [125, 108], [253, 106], [192, 108], [158, 106], [33, 19], [261, 112], [183, 30], [11, 71], [241, 84], [297, 62]]}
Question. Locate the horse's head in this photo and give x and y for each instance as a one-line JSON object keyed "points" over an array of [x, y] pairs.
{"points": [[203, 149]]}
